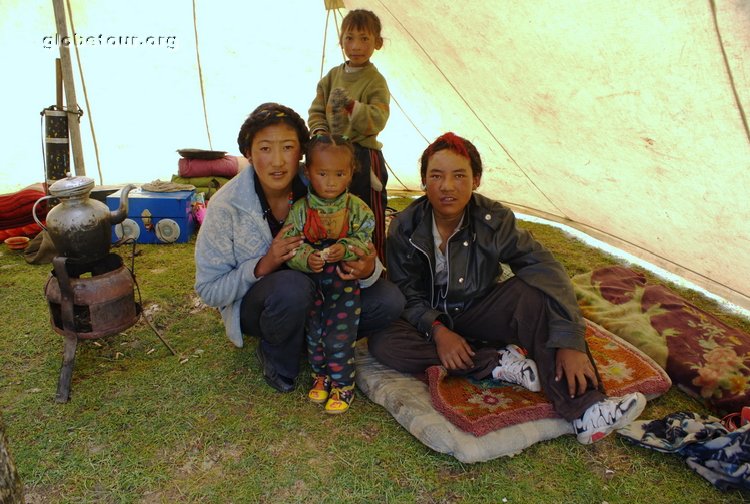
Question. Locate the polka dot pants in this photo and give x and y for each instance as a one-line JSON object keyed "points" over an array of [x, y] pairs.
{"points": [[332, 326]]}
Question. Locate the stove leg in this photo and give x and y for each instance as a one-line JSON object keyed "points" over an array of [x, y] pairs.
{"points": [[71, 338], [66, 371]]}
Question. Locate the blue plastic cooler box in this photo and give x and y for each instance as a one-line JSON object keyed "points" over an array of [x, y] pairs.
{"points": [[154, 217]]}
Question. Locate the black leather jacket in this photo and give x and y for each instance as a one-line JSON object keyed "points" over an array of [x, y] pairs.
{"points": [[488, 237]]}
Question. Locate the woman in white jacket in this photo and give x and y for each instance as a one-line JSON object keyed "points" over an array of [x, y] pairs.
{"points": [[240, 252]]}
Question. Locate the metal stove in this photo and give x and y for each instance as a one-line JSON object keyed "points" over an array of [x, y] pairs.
{"points": [[88, 300]]}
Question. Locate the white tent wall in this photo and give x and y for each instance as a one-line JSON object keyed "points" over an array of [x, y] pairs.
{"points": [[124, 89], [145, 100], [616, 118], [622, 119]]}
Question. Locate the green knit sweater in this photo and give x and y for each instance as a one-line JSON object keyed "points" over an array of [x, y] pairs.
{"points": [[368, 89]]}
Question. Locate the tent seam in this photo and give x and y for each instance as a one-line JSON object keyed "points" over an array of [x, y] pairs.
{"points": [[732, 84], [489, 132], [200, 76]]}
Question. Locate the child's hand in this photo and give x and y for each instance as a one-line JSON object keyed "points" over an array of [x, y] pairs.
{"points": [[315, 262], [334, 253]]}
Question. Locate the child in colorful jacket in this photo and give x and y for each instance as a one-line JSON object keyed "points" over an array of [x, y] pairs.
{"points": [[331, 221]]}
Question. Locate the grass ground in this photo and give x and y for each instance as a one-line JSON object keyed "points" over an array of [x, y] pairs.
{"points": [[145, 426]]}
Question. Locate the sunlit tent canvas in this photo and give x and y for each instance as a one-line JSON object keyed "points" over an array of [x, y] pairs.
{"points": [[624, 119]]}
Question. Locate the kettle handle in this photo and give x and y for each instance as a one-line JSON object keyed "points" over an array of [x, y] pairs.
{"points": [[33, 210]]}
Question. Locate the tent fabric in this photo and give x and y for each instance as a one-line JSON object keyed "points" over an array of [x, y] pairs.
{"points": [[626, 120]]}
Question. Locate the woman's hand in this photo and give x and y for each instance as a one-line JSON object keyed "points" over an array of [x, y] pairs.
{"points": [[577, 369], [453, 350], [280, 251], [360, 268]]}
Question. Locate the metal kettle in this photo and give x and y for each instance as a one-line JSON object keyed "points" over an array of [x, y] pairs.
{"points": [[81, 227]]}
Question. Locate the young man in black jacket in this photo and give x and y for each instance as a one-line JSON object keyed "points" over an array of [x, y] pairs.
{"points": [[445, 252]]}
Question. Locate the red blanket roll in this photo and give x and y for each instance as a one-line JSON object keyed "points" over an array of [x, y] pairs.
{"points": [[226, 166], [29, 230], [15, 208]]}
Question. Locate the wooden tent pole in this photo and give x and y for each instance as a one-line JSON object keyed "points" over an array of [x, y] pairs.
{"points": [[58, 84], [70, 92]]}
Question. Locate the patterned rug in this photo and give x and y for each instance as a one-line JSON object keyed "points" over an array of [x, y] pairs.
{"points": [[479, 407], [703, 356]]}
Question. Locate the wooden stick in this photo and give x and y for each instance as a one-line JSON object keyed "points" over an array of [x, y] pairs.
{"points": [[69, 85], [58, 84]]}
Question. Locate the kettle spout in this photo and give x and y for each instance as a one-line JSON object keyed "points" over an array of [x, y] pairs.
{"points": [[117, 216]]}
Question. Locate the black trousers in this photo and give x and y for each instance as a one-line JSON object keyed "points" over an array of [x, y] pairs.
{"points": [[512, 313], [277, 306]]}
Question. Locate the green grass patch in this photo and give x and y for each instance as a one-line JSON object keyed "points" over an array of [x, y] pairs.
{"points": [[145, 426]]}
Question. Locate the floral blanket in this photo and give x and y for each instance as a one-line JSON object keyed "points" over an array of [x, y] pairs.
{"points": [[479, 407], [703, 356]]}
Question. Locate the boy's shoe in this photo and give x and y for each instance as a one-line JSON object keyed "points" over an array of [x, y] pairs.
{"points": [[320, 388], [514, 367], [608, 415], [340, 399]]}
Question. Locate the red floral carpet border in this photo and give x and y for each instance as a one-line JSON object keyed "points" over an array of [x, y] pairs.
{"points": [[479, 407]]}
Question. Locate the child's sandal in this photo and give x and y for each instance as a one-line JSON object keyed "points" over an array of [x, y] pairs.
{"points": [[320, 389], [340, 399]]}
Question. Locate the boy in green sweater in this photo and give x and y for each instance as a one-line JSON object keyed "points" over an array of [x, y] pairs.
{"points": [[353, 100]]}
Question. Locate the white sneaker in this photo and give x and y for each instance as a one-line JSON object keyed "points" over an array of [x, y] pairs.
{"points": [[608, 415], [514, 367]]}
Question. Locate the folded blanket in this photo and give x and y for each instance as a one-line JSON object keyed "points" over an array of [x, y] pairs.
{"points": [[16, 209], [24, 220], [204, 185], [22, 210], [222, 167], [702, 355], [33, 188], [164, 186], [27, 230]]}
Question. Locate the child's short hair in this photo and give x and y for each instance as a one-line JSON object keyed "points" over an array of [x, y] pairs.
{"points": [[360, 19], [269, 114], [326, 141], [454, 143]]}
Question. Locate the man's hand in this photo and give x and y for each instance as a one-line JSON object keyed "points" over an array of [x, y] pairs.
{"points": [[577, 369], [453, 350], [360, 268]]}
